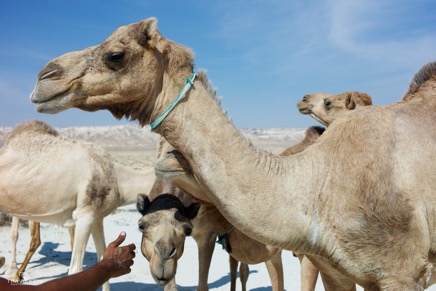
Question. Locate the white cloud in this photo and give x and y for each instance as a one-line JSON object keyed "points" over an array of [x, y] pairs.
{"points": [[391, 31]]}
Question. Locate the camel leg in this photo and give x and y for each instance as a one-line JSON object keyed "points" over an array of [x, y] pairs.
{"points": [[275, 271], [12, 268], [71, 232], [35, 242], [83, 230], [97, 231], [244, 271], [206, 246], [233, 269], [332, 284], [309, 274]]}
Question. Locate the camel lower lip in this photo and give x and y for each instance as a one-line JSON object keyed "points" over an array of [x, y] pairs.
{"points": [[164, 174]]}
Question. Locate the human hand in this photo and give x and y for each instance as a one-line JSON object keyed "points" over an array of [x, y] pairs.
{"points": [[118, 260]]}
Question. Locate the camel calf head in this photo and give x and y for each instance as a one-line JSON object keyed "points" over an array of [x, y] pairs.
{"points": [[165, 224], [326, 108]]}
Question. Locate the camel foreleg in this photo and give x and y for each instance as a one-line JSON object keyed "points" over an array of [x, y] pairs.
{"points": [[11, 272], [97, 231], [206, 246], [309, 274], [244, 272], [233, 270], [275, 271]]}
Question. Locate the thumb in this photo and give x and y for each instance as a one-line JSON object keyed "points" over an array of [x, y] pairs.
{"points": [[121, 237]]}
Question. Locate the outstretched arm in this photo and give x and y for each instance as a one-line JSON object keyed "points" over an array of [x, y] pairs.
{"points": [[116, 262]]}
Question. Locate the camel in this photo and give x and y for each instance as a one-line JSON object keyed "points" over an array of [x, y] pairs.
{"points": [[206, 226], [325, 108], [359, 201], [82, 183]]}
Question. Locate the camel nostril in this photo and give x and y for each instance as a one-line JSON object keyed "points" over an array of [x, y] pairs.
{"points": [[305, 97], [50, 71], [172, 253], [164, 252], [48, 75]]}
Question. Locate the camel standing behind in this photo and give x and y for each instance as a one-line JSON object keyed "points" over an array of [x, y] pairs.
{"points": [[52, 179], [207, 224], [360, 200], [324, 108]]}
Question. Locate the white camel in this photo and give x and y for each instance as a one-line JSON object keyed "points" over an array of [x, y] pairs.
{"points": [[360, 201], [52, 179]]}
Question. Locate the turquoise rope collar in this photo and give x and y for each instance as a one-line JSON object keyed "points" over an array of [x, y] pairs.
{"points": [[189, 83]]}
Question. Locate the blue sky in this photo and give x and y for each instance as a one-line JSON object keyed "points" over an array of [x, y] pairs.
{"points": [[263, 56]]}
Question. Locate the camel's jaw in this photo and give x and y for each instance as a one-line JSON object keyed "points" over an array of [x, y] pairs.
{"points": [[171, 165], [305, 110], [323, 122], [48, 100], [304, 107], [164, 272]]}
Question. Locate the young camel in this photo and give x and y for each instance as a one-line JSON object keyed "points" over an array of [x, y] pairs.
{"points": [[206, 225], [72, 183], [326, 108], [359, 201]]}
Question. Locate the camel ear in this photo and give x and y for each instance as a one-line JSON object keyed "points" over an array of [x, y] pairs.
{"points": [[349, 102], [148, 33], [192, 210], [142, 203]]}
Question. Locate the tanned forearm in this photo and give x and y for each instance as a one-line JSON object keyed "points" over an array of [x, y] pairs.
{"points": [[90, 279]]}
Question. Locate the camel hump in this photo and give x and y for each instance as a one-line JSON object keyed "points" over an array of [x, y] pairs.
{"points": [[423, 75], [33, 126]]}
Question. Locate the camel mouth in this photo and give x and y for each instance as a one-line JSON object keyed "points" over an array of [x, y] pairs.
{"points": [[171, 165], [51, 96], [56, 104], [160, 280], [305, 110], [165, 174]]}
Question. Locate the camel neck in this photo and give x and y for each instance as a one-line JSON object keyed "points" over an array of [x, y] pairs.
{"points": [[237, 177]]}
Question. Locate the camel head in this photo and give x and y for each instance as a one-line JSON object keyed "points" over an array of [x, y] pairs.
{"points": [[172, 166], [165, 224], [124, 74], [326, 108]]}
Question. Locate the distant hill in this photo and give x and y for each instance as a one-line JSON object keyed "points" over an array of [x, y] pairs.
{"points": [[131, 136]]}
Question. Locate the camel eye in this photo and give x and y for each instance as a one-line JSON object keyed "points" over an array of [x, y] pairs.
{"points": [[142, 226], [327, 104], [114, 60], [187, 229], [115, 57]]}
